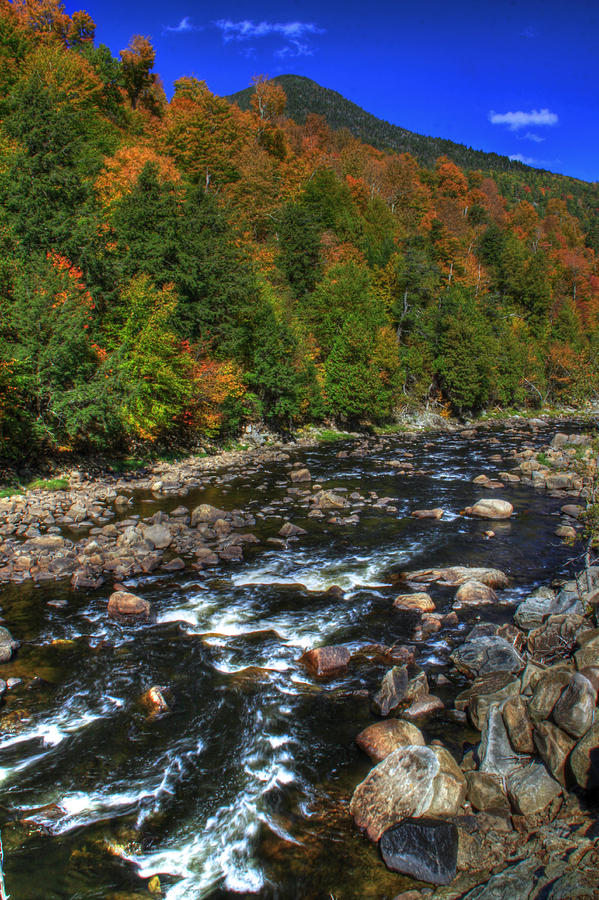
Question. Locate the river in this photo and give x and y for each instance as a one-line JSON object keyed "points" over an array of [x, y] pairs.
{"points": [[242, 789]]}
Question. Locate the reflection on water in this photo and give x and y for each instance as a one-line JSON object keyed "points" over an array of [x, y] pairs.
{"points": [[242, 788]]}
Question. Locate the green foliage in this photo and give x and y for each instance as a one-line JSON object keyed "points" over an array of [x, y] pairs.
{"points": [[48, 484], [466, 352]]}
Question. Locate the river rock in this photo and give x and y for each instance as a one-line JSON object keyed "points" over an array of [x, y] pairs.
{"points": [[474, 593], [485, 791], [326, 661], [123, 604], [329, 500], [291, 530], [300, 475], [449, 786], [7, 645], [382, 738], [490, 508], [392, 691], [422, 848], [584, 759], [399, 787], [155, 700], [531, 789], [536, 608], [205, 514], [426, 706], [484, 685], [554, 747], [479, 706], [454, 576], [159, 536], [575, 709], [486, 654], [497, 756], [556, 637], [518, 724], [547, 692], [422, 602], [436, 513]]}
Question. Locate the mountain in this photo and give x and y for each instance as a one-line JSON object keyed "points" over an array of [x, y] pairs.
{"points": [[306, 96]]}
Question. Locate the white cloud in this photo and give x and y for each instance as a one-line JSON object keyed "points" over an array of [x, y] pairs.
{"points": [[531, 136], [294, 49], [520, 119], [184, 25], [527, 160], [246, 30]]}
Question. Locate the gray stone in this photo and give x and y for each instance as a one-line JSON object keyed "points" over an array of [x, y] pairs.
{"points": [[206, 514], [531, 789], [158, 536], [392, 691], [497, 755], [536, 608], [7, 645], [485, 791], [575, 709], [487, 654], [399, 787], [516, 883], [422, 848]]}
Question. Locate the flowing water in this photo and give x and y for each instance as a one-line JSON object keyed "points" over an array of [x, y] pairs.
{"points": [[242, 789]]}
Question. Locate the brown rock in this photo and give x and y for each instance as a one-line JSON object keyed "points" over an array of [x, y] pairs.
{"points": [[326, 661], [575, 710], [155, 701], [425, 707], [436, 513], [300, 475], [475, 593], [419, 601], [449, 786], [584, 759], [123, 604], [554, 747], [485, 791], [382, 738], [392, 691], [490, 508], [518, 724]]}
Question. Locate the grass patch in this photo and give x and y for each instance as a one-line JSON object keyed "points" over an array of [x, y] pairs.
{"points": [[543, 459], [393, 428], [10, 492], [49, 484], [328, 435]]}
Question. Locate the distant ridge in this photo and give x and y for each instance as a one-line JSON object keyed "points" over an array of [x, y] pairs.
{"points": [[306, 96]]}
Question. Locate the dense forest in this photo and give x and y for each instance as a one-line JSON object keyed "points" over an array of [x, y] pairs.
{"points": [[170, 270]]}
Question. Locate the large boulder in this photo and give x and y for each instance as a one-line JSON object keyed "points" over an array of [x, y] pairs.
{"points": [[399, 787], [382, 738], [392, 691], [536, 608], [479, 706], [422, 848], [487, 654], [474, 593], [554, 747], [326, 661], [124, 605], [490, 508], [575, 710], [584, 759], [547, 691], [531, 789]]}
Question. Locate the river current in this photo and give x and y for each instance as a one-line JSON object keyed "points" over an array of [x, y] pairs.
{"points": [[242, 788]]}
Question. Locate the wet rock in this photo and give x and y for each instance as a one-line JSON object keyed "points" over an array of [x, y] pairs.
{"points": [[547, 691], [584, 759], [575, 709], [449, 786], [485, 791], [399, 787], [474, 593], [422, 848], [426, 706], [484, 685], [125, 605], [329, 500], [573, 510], [420, 601], [290, 530], [454, 576], [490, 508], [300, 475], [532, 612], [7, 645], [561, 481], [497, 755], [566, 532], [518, 725], [487, 654], [382, 738], [173, 565], [531, 789], [326, 661], [155, 700], [391, 692], [479, 706], [437, 513], [206, 514], [554, 747]]}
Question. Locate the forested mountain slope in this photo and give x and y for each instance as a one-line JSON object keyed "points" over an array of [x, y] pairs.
{"points": [[172, 269]]}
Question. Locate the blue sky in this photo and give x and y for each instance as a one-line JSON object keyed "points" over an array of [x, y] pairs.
{"points": [[518, 77]]}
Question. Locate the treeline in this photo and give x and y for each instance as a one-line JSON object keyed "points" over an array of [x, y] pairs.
{"points": [[171, 270]]}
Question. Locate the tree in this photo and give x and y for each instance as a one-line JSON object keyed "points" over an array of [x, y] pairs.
{"points": [[137, 64], [268, 98]]}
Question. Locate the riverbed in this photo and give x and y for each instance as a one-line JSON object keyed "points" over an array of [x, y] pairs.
{"points": [[242, 787]]}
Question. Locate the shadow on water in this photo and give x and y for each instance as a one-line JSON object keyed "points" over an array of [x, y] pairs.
{"points": [[243, 789]]}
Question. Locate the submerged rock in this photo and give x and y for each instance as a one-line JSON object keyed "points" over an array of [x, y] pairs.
{"points": [[422, 848]]}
